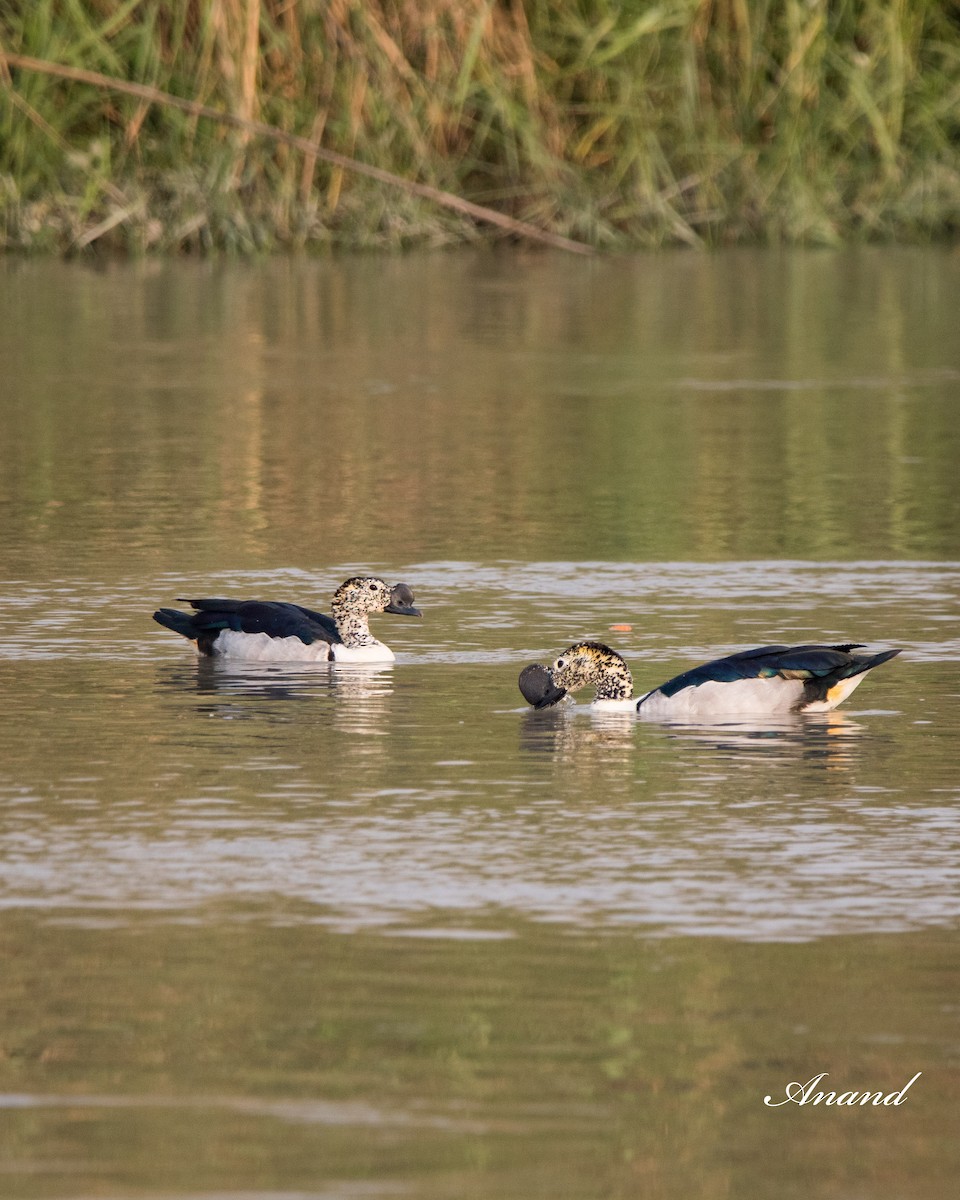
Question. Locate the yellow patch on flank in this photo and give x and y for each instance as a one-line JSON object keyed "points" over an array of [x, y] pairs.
{"points": [[840, 691]]}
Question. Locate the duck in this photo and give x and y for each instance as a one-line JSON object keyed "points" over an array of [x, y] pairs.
{"points": [[278, 631], [767, 681]]}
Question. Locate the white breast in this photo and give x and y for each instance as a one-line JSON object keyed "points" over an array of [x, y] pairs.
{"points": [[375, 652], [612, 706]]}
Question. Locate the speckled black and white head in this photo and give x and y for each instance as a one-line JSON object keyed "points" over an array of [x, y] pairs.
{"points": [[582, 665], [355, 599]]}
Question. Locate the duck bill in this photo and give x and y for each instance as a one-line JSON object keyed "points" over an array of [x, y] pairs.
{"points": [[538, 688], [401, 602]]}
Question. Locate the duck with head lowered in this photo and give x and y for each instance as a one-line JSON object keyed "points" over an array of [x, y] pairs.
{"points": [[766, 681], [278, 631]]}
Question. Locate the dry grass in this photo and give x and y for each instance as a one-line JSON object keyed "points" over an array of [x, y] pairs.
{"points": [[693, 121]]}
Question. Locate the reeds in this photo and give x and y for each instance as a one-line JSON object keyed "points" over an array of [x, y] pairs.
{"points": [[617, 124]]}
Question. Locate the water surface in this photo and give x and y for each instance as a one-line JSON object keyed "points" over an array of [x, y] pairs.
{"points": [[301, 931]]}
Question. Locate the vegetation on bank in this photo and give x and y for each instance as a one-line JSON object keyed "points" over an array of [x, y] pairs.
{"points": [[614, 124]]}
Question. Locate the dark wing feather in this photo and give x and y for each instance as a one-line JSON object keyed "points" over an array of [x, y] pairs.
{"points": [[321, 619], [818, 667], [274, 618]]}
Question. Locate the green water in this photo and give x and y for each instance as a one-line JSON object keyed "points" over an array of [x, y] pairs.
{"points": [[300, 932]]}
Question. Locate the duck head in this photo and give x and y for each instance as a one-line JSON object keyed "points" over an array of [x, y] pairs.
{"points": [[584, 663], [367, 594]]}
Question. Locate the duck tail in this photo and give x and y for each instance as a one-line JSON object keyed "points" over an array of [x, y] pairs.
{"points": [[864, 663], [826, 691], [179, 622]]}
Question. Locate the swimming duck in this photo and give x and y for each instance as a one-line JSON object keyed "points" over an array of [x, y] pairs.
{"points": [[766, 681], [275, 631]]}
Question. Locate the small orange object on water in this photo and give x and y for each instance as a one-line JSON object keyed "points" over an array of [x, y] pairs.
{"points": [[621, 628]]}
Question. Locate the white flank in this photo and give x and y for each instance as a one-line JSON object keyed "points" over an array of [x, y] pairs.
{"points": [[260, 647], [744, 696]]}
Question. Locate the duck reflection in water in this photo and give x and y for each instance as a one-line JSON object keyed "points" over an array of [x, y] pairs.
{"points": [[606, 737], [830, 736], [359, 694]]}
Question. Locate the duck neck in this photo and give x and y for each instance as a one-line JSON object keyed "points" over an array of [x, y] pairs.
{"points": [[615, 682], [353, 628]]}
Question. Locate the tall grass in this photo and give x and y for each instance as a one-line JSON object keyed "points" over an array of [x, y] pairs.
{"points": [[615, 123]]}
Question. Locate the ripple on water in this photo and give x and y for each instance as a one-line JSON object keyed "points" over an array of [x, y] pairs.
{"points": [[423, 796]]}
